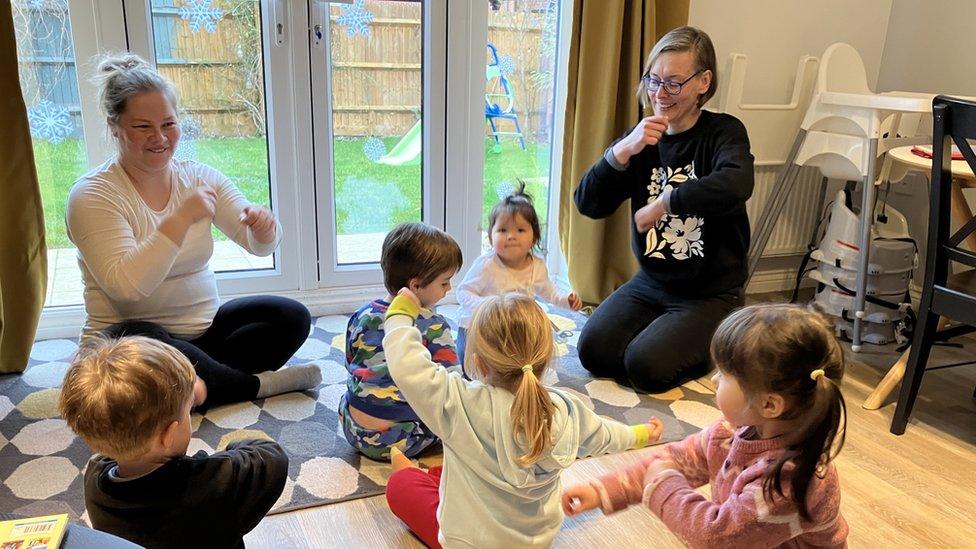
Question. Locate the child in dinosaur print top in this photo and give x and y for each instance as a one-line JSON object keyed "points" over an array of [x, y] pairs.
{"points": [[375, 416]]}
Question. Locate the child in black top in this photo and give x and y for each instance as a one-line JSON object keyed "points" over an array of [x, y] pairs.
{"points": [[130, 399]]}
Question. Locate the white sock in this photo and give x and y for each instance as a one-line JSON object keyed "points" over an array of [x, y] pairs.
{"points": [[293, 378]]}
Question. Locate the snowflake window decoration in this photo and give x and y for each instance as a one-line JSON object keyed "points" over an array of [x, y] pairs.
{"points": [[374, 149], [506, 65], [50, 121], [369, 205], [201, 14], [191, 129], [550, 28], [504, 188], [356, 18]]}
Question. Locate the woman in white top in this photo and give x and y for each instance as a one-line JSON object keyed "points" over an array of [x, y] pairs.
{"points": [[141, 222]]}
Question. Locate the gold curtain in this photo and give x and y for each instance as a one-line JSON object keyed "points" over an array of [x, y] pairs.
{"points": [[611, 40], [23, 253]]}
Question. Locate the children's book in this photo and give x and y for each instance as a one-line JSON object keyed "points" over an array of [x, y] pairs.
{"points": [[33, 533]]}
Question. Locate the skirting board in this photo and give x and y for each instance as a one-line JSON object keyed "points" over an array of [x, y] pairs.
{"points": [[776, 280], [66, 322]]}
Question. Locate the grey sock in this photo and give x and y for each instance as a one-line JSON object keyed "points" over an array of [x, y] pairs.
{"points": [[293, 378]]}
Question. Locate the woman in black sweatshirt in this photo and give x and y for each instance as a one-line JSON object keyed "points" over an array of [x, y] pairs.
{"points": [[688, 174]]}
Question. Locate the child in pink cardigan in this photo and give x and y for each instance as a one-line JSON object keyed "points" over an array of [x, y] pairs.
{"points": [[768, 460]]}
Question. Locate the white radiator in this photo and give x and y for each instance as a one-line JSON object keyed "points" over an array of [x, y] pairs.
{"points": [[796, 222]]}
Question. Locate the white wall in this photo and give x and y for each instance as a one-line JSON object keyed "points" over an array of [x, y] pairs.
{"points": [[931, 47], [908, 45], [774, 34]]}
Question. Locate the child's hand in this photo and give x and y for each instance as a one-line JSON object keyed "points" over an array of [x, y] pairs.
{"points": [[580, 498], [405, 303], [575, 303], [656, 428], [407, 293], [647, 433], [199, 392]]}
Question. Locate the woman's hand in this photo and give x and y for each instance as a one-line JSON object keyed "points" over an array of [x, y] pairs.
{"points": [[649, 215], [201, 204], [261, 221], [647, 132], [575, 303], [579, 498]]}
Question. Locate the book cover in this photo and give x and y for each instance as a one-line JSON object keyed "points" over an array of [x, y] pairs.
{"points": [[925, 151], [33, 533]]}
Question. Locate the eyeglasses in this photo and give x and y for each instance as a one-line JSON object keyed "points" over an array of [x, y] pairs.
{"points": [[652, 84]]}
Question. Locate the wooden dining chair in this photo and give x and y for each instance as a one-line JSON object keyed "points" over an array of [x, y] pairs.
{"points": [[943, 294]]}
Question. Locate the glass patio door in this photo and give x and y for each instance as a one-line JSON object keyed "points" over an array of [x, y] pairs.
{"points": [[52, 47], [231, 72], [219, 56], [519, 106], [377, 105], [346, 118]]}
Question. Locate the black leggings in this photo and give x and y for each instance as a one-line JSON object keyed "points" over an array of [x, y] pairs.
{"points": [[248, 335], [649, 339]]}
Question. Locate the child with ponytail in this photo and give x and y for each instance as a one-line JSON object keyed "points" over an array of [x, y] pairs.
{"points": [[769, 461], [506, 436]]}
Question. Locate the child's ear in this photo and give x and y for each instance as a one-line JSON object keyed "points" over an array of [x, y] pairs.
{"points": [[773, 405], [414, 284], [168, 435]]}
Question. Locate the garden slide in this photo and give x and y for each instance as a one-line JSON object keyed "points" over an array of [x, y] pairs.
{"points": [[407, 150]]}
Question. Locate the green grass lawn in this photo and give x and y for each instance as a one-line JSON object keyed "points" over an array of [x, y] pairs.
{"points": [[370, 197]]}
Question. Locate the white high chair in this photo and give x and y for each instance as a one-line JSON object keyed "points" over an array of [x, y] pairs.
{"points": [[845, 130]]}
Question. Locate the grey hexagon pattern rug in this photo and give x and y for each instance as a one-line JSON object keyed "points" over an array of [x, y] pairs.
{"points": [[42, 461]]}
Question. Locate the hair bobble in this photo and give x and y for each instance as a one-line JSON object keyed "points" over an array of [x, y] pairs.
{"points": [[527, 368], [817, 374]]}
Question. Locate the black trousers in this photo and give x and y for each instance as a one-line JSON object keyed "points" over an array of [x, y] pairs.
{"points": [[248, 335], [649, 339]]}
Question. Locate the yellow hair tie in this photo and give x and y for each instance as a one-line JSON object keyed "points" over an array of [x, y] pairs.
{"points": [[527, 368], [817, 374]]}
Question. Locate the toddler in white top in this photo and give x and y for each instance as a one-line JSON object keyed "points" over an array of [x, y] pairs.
{"points": [[510, 265]]}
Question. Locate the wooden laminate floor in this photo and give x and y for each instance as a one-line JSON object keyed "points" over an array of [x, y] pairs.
{"points": [[916, 490]]}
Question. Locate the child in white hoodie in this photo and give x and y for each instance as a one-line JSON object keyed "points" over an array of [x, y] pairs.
{"points": [[506, 437]]}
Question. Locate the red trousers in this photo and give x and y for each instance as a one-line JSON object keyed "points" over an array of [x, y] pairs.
{"points": [[413, 498]]}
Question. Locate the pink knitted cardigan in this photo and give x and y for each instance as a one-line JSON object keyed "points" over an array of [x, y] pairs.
{"points": [[738, 514]]}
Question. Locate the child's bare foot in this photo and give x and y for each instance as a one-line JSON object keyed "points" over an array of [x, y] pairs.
{"points": [[399, 460]]}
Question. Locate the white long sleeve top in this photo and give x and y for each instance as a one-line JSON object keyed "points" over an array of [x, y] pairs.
{"points": [[486, 498], [488, 276], [131, 270]]}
